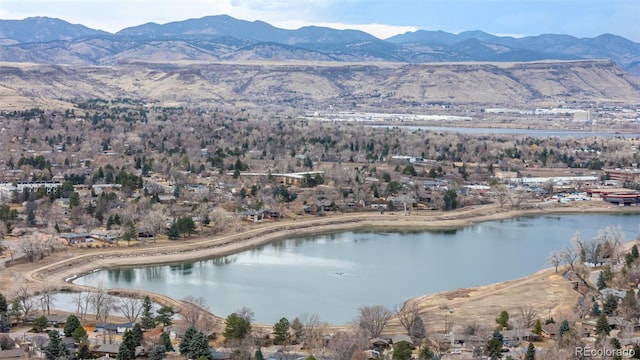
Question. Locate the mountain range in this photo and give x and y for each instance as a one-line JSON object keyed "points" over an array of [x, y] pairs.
{"points": [[53, 41]]}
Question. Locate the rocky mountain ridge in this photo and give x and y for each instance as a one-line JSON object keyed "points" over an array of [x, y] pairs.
{"points": [[223, 38]]}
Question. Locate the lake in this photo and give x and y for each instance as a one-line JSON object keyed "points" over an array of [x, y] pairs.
{"points": [[539, 133], [334, 274]]}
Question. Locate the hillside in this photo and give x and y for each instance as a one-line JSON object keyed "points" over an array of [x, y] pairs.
{"points": [[311, 85]]}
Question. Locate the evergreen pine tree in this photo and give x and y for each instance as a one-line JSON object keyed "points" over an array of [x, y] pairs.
{"points": [[258, 355], [174, 232], [166, 340], [531, 352], [537, 328], [40, 323], [84, 351], [5, 324], [165, 315], [79, 334], [602, 325], [610, 305], [602, 284], [136, 334], [127, 349], [402, 351], [158, 353], [147, 320], [4, 307], [199, 347], [236, 327], [494, 345], [71, 325], [186, 339], [595, 309], [56, 349], [503, 320], [123, 352], [281, 331], [564, 327], [426, 353]]}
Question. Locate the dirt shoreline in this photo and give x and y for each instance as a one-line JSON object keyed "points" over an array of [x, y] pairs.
{"points": [[57, 269]]}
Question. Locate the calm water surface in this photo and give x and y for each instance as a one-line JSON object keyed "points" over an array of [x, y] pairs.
{"points": [[334, 274], [538, 133]]}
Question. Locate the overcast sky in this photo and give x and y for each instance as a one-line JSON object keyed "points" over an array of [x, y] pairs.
{"points": [[382, 18]]}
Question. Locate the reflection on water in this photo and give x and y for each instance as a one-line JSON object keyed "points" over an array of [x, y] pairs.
{"points": [[121, 274], [221, 261], [336, 273]]}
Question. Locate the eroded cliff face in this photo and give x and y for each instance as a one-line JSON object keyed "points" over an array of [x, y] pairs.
{"points": [[308, 85]]}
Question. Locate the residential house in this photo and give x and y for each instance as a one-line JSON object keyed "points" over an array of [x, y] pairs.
{"points": [[113, 328], [550, 330], [107, 236], [271, 214], [398, 338], [379, 204], [380, 343], [470, 341], [615, 292], [252, 215], [76, 238], [515, 336], [111, 350], [56, 321]]}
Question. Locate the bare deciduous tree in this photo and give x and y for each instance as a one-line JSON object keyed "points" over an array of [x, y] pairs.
{"points": [[593, 250], [372, 319], [31, 248], [611, 239], [202, 212], [89, 222], [501, 193], [519, 197], [246, 313], [47, 298], [154, 221], [527, 316], [569, 256], [51, 245], [407, 314], [83, 302], [26, 301], [311, 330], [344, 345], [98, 300], [579, 246], [130, 307], [194, 313], [555, 259], [108, 304], [220, 220]]}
